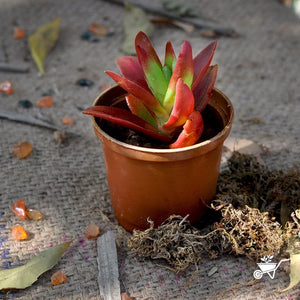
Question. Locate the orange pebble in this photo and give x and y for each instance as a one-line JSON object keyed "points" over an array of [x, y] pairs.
{"points": [[22, 150], [19, 33], [46, 101], [33, 214], [92, 231], [98, 29], [19, 233], [124, 296], [6, 87], [67, 120], [19, 209], [58, 278]]}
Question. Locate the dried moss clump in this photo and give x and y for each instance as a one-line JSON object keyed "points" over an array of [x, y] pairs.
{"points": [[178, 243], [247, 182], [255, 234]]}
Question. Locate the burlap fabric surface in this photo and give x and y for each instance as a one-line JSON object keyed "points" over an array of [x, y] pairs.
{"points": [[258, 71]]}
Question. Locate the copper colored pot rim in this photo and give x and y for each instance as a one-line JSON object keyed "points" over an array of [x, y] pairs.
{"points": [[202, 147]]}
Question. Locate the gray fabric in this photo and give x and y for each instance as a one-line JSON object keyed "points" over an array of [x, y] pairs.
{"points": [[259, 72]]}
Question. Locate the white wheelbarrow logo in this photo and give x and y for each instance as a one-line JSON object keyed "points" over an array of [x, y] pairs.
{"points": [[267, 266]]}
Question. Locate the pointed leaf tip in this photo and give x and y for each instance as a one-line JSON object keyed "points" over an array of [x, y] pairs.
{"points": [[202, 62]]}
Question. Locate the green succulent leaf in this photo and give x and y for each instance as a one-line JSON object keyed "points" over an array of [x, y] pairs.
{"points": [[151, 66], [183, 69], [140, 110]]}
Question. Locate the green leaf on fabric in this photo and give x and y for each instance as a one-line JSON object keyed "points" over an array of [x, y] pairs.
{"points": [[179, 8], [294, 272], [42, 41], [135, 20], [24, 276]]}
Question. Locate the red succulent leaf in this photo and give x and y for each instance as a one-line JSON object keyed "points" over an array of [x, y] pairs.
{"points": [[183, 106], [183, 69], [202, 61], [132, 70], [170, 57], [192, 131], [151, 66], [138, 91], [203, 91], [126, 119]]}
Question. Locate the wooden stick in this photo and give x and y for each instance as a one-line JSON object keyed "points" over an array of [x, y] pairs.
{"points": [[108, 278], [14, 116], [197, 22], [12, 68]]}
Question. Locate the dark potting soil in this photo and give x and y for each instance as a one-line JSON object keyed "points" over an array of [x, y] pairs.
{"points": [[213, 124]]}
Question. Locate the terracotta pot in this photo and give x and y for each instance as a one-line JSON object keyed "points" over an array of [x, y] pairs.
{"points": [[156, 183]]}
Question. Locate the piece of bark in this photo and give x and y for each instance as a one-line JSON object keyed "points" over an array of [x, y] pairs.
{"points": [[5, 67], [108, 277], [28, 119]]}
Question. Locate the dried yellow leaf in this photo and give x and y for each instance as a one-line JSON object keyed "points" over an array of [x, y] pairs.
{"points": [[42, 41]]}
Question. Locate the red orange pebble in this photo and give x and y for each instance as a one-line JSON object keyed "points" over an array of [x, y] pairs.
{"points": [[92, 231], [46, 101], [19, 233], [19, 209], [67, 120], [58, 278], [19, 33], [6, 87], [98, 29], [22, 150], [33, 214]]}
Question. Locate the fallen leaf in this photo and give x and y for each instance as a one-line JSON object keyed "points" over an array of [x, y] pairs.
{"points": [[135, 20], [42, 41], [24, 276], [294, 272], [179, 8]]}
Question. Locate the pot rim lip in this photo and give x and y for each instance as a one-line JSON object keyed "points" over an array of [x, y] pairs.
{"points": [[223, 133]]}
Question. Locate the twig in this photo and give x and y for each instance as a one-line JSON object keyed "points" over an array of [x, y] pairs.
{"points": [[12, 68], [197, 22], [14, 116]]}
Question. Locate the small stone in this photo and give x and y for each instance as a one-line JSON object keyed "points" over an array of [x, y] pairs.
{"points": [[89, 36], [84, 82], [6, 87], [49, 92], [19, 233], [60, 136], [33, 214], [46, 101], [25, 103], [58, 278], [98, 29], [66, 120], [92, 231], [19, 33], [124, 296], [19, 209], [22, 150]]}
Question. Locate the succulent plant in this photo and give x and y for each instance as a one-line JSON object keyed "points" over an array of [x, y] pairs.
{"points": [[165, 101]]}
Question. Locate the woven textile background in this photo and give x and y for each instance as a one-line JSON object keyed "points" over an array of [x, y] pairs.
{"points": [[259, 72]]}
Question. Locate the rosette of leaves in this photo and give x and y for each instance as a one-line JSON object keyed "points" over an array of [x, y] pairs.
{"points": [[165, 101]]}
